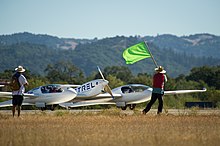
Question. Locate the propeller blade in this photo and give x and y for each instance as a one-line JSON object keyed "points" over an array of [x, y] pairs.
{"points": [[106, 88], [100, 72]]}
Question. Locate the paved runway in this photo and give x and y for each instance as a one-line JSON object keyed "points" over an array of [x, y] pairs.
{"points": [[128, 112]]}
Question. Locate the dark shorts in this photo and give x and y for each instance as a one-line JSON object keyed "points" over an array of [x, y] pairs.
{"points": [[17, 100]]}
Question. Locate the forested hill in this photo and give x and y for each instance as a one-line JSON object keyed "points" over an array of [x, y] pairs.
{"points": [[35, 52]]}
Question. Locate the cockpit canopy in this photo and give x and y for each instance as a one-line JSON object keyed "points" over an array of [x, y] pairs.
{"points": [[134, 88], [53, 88]]}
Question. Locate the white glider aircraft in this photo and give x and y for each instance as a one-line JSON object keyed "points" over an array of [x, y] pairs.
{"points": [[122, 97], [43, 96], [54, 94]]}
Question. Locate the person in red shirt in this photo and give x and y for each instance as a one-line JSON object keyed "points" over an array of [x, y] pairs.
{"points": [[159, 79]]}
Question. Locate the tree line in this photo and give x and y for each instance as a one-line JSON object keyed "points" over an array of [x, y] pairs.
{"points": [[67, 73]]}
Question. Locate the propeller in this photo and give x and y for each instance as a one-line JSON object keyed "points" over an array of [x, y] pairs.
{"points": [[106, 88]]}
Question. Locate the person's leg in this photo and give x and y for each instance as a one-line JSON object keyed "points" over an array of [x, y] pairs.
{"points": [[14, 103], [148, 107], [20, 100], [13, 110], [160, 106], [19, 110]]}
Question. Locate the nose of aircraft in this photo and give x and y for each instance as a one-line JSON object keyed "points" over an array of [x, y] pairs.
{"points": [[72, 91], [107, 88], [105, 82]]}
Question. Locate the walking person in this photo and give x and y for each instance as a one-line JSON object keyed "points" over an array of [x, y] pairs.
{"points": [[18, 84], [159, 79]]}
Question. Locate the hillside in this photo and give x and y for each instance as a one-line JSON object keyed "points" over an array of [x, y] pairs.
{"points": [[35, 52], [41, 39], [198, 45]]}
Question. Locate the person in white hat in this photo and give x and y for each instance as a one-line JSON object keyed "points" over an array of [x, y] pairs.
{"points": [[17, 94], [158, 90]]}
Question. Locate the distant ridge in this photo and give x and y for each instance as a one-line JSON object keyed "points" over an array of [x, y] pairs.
{"points": [[177, 54]]}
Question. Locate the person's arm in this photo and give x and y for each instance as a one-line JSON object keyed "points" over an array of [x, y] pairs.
{"points": [[165, 78], [26, 84], [23, 81]]}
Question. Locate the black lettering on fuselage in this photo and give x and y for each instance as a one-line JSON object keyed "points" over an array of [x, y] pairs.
{"points": [[78, 89], [83, 88], [86, 87], [92, 86]]}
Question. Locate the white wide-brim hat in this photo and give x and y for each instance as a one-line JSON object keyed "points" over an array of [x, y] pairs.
{"points": [[160, 69], [20, 69]]}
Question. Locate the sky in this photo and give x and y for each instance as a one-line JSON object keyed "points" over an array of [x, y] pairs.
{"points": [[108, 18]]}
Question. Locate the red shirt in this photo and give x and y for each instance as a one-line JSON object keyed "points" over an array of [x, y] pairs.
{"points": [[158, 80]]}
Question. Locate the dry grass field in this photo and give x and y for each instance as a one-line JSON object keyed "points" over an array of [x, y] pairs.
{"points": [[109, 128]]}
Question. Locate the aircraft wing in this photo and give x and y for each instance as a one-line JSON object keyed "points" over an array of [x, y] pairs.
{"points": [[9, 95], [84, 103], [107, 95], [6, 103], [182, 91], [32, 96], [105, 98], [9, 103], [6, 94], [99, 97]]}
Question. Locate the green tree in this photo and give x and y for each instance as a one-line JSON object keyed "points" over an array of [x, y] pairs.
{"points": [[34, 82], [64, 72], [114, 81], [210, 75], [142, 78], [121, 72]]}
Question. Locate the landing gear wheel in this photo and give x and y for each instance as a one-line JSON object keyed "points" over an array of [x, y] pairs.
{"points": [[124, 107], [132, 106], [43, 108], [52, 108]]}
